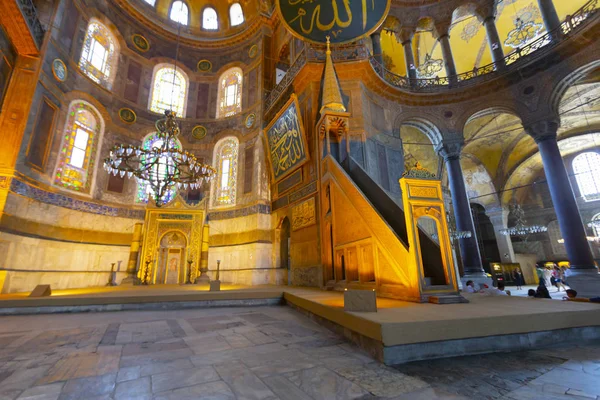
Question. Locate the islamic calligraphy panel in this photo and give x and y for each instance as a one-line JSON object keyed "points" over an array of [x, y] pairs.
{"points": [[344, 20], [286, 141], [304, 214]]}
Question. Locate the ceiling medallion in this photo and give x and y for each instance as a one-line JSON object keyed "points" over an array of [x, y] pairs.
{"points": [[521, 229], [253, 51], [430, 67], [59, 70], [523, 33], [127, 115], [250, 120], [162, 167], [199, 132], [204, 66], [470, 29], [140, 42]]}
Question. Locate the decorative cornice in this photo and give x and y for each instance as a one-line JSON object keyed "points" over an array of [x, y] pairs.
{"points": [[240, 212], [543, 130], [450, 150]]}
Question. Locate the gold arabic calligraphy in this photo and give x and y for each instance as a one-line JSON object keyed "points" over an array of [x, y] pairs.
{"points": [[286, 142], [336, 21]]}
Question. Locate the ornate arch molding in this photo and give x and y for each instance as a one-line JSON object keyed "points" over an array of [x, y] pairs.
{"points": [[482, 110], [429, 128], [568, 80], [92, 14], [536, 164]]}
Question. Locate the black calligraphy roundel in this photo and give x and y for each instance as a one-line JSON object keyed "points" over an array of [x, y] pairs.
{"points": [[343, 20]]}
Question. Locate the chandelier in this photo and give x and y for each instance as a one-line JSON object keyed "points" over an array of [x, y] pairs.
{"points": [[523, 33], [521, 229], [455, 234], [161, 167]]}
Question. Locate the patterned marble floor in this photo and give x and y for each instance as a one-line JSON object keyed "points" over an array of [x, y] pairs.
{"points": [[255, 353]]}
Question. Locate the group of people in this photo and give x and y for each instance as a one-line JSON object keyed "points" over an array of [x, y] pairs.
{"points": [[489, 291], [555, 276]]}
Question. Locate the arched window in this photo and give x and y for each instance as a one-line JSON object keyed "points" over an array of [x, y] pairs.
{"points": [[586, 167], [236, 15], [169, 90], [79, 148], [210, 21], [558, 248], [99, 54], [596, 225], [230, 93], [179, 12], [225, 162], [144, 189], [151, 2]]}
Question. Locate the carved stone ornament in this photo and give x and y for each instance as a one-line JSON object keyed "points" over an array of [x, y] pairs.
{"points": [[418, 172]]}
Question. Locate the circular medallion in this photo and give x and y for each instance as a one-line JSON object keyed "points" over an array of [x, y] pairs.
{"points": [[250, 120], [199, 132], [140, 42], [253, 51], [344, 21], [59, 70], [204, 66], [127, 115]]}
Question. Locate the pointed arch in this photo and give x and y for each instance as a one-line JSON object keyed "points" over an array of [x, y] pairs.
{"points": [[100, 54], [82, 138], [144, 190], [210, 19], [229, 100], [236, 14], [169, 90], [225, 160]]}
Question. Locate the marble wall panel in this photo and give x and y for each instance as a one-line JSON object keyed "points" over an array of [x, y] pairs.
{"points": [[30, 261]]}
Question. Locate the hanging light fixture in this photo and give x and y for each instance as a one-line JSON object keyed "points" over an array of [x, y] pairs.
{"points": [[430, 66], [162, 167], [521, 229], [455, 234]]}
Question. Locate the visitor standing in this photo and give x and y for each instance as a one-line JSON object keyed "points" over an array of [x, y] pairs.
{"points": [[518, 278]]}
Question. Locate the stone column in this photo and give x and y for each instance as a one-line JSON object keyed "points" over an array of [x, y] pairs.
{"points": [[377, 52], [469, 248], [499, 219], [134, 252], [585, 278], [494, 42], [550, 17], [406, 38], [448, 57], [202, 277]]}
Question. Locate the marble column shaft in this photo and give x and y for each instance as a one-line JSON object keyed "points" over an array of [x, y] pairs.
{"points": [[494, 42], [550, 17], [499, 219], [469, 248], [448, 57], [377, 52], [409, 58], [565, 204]]}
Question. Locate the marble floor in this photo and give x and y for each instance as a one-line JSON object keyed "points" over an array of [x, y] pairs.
{"points": [[255, 353]]}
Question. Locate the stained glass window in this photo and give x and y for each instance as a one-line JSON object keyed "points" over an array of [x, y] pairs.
{"points": [[236, 15], [586, 167], [145, 190], [179, 12], [99, 54], [169, 90], [230, 93], [78, 151], [210, 20], [225, 162]]}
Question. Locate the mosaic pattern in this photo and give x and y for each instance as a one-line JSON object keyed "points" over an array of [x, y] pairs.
{"points": [[226, 160], [144, 190], [169, 91], [99, 56], [230, 93], [60, 200], [76, 161], [242, 212]]}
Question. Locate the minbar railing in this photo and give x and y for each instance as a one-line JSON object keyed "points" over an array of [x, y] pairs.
{"points": [[35, 26], [545, 42]]}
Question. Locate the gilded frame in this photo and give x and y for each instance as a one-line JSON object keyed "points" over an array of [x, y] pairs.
{"points": [[292, 101]]}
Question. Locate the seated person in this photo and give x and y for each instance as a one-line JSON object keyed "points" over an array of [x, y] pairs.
{"points": [[470, 287], [495, 291], [531, 293], [572, 296], [542, 291]]}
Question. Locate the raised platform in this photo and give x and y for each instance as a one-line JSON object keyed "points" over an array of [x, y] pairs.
{"points": [[399, 332]]}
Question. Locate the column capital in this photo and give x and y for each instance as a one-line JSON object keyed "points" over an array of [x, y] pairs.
{"points": [[405, 35], [442, 29], [450, 150], [498, 217], [486, 11], [543, 130]]}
